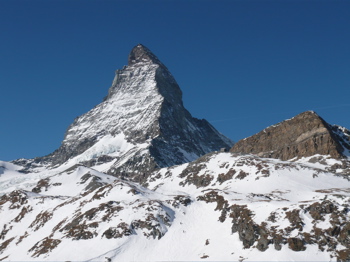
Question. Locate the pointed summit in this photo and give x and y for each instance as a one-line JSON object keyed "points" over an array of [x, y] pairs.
{"points": [[141, 54], [140, 126], [304, 135]]}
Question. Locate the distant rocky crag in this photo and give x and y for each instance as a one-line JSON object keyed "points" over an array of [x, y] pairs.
{"points": [[304, 135]]}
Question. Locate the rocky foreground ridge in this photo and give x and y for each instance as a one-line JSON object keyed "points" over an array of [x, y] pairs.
{"points": [[138, 179]]}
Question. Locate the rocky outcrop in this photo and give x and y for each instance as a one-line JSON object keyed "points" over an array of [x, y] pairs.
{"points": [[304, 135]]}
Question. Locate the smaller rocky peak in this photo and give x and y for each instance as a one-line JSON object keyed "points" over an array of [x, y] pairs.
{"points": [[308, 115], [141, 54], [304, 135]]}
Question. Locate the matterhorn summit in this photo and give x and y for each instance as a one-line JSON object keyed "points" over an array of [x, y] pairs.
{"points": [[140, 126]]}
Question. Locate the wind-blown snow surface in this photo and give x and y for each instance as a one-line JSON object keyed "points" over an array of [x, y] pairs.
{"points": [[188, 212]]}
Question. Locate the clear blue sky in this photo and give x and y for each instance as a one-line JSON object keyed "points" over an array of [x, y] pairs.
{"points": [[242, 65]]}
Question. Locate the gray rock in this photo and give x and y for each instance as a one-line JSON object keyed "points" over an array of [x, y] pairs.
{"points": [[304, 135]]}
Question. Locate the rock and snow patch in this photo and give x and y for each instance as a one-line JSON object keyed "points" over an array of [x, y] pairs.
{"points": [[221, 207], [108, 145]]}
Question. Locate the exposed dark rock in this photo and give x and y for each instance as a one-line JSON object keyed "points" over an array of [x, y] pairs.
{"points": [[98, 161], [195, 167], [224, 177], [80, 227], [343, 255], [304, 135], [295, 220], [24, 211], [4, 231], [41, 219], [17, 198], [42, 184], [242, 175], [272, 217], [102, 191], [44, 246], [58, 226], [4, 244], [191, 173], [152, 226], [20, 239], [263, 242], [199, 181], [222, 204], [95, 182], [278, 240], [213, 196], [180, 199], [318, 210], [296, 244], [123, 229], [344, 235], [80, 231], [243, 223]]}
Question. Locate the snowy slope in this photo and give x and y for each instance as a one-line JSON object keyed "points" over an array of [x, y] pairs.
{"points": [[221, 207]]}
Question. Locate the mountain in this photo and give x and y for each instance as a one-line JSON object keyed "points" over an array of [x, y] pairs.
{"points": [[138, 179], [304, 135], [140, 126]]}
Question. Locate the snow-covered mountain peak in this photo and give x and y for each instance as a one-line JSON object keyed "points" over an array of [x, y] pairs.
{"points": [[141, 124], [141, 54], [144, 73]]}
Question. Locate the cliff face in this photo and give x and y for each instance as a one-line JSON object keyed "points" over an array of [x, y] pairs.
{"points": [[304, 135]]}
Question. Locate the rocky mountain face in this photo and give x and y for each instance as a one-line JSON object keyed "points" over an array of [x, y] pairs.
{"points": [[138, 179], [304, 135], [141, 125]]}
